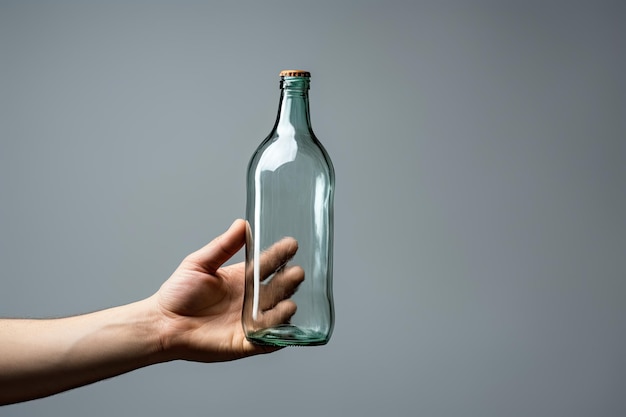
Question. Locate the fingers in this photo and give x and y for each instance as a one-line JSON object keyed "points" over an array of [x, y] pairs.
{"points": [[275, 284], [281, 287], [280, 314], [277, 256], [212, 256]]}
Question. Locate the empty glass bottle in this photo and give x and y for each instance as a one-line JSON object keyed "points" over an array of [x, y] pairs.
{"points": [[290, 186]]}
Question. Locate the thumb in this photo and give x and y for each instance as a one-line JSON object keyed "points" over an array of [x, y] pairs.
{"points": [[212, 256]]}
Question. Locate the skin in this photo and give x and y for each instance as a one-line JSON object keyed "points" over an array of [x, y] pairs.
{"points": [[195, 316]]}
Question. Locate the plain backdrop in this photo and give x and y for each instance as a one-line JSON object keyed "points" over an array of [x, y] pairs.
{"points": [[480, 153]]}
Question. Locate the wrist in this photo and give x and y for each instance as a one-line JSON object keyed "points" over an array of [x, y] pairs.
{"points": [[125, 335], [168, 332], [157, 333]]}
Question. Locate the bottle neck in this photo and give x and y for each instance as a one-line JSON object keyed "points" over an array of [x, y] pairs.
{"points": [[293, 110]]}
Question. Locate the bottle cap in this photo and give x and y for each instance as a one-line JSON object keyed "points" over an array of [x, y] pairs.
{"points": [[294, 73]]}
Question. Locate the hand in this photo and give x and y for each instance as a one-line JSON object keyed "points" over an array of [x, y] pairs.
{"points": [[200, 305], [195, 315]]}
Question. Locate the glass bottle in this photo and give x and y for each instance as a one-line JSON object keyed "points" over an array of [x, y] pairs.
{"points": [[290, 186]]}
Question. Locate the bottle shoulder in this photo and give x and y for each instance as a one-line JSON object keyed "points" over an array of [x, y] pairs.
{"points": [[303, 149]]}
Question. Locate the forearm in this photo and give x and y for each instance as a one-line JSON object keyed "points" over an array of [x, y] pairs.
{"points": [[43, 357]]}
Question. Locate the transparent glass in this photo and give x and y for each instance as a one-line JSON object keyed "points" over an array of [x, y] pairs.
{"points": [[290, 186]]}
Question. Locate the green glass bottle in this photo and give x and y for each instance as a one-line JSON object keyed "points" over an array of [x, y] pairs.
{"points": [[290, 187]]}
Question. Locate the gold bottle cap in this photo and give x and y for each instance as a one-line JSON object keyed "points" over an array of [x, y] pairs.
{"points": [[294, 73]]}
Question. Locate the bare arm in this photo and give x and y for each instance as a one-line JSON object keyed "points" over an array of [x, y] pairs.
{"points": [[43, 357], [195, 316]]}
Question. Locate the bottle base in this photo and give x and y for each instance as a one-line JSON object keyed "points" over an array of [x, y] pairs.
{"points": [[287, 335]]}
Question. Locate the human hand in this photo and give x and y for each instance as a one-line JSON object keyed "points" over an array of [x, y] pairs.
{"points": [[200, 304], [195, 315]]}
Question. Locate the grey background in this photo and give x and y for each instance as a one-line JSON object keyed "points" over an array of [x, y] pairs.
{"points": [[480, 157]]}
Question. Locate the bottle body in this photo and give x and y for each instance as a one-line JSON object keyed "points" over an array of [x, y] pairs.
{"points": [[290, 192]]}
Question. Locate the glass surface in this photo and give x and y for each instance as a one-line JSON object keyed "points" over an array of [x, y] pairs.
{"points": [[290, 185]]}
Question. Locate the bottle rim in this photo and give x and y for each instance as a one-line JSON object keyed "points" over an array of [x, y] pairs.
{"points": [[295, 73]]}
